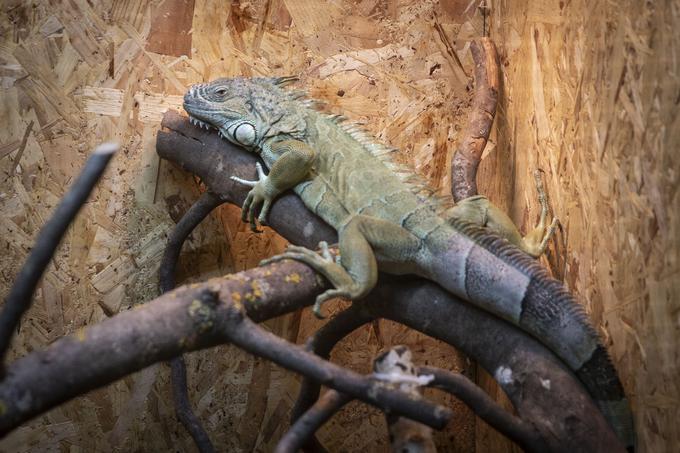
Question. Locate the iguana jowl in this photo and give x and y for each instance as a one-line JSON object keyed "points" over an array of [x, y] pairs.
{"points": [[387, 219]]}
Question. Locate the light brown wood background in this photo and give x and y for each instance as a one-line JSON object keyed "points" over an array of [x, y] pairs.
{"points": [[590, 95]]}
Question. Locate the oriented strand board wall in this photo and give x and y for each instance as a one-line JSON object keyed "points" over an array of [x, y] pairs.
{"points": [[78, 72], [591, 95]]}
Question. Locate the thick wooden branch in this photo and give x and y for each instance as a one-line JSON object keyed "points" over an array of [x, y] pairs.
{"points": [[190, 318], [562, 411], [156, 331], [468, 155]]}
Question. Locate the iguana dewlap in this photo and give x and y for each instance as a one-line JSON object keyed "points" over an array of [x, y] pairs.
{"points": [[387, 219]]}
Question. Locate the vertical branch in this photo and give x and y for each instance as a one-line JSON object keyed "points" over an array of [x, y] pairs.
{"points": [[466, 160], [19, 298], [178, 370], [189, 221]]}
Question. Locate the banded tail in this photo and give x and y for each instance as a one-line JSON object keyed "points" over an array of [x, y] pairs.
{"points": [[488, 271]]}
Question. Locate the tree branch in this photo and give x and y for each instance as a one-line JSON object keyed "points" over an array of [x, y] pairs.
{"points": [[19, 298], [189, 318], [322, 343], [302, 431], [567, 419], [486, 408], [178, 370], [467, 157], [241, 331]]}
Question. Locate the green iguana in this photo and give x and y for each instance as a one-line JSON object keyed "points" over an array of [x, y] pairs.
{"points": [[387, 218]]}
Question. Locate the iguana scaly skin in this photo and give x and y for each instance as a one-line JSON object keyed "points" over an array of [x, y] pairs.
{"points": [[388, 219]]}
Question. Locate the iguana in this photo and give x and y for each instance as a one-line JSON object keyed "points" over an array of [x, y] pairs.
{"points": [[387, 219]]}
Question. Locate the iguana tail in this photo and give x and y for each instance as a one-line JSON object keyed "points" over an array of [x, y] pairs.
{"points": [[493, 274]]}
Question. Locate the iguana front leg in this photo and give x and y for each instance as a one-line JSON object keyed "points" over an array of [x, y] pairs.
{"points": [[291, 168], [355, 275]]}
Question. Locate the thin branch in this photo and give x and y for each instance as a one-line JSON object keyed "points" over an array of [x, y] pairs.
{"points": [[183, 410], [19, 298], [302, 431], [242, 332], [486, 408], [467, 157], [322, 343], [178, 370], [189, 221]]}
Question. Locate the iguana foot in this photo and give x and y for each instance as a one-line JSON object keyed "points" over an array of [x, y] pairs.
{"points": [[344, 284], [536, 241], [261, 194]]}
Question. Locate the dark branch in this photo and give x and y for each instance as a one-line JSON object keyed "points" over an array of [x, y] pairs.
{"points": [[183, 410], [19, 298], [178, 370], [468, 155], [186, 319], [322, 343], [242, 332], [486, 408], [189, 221], [302, 431]]}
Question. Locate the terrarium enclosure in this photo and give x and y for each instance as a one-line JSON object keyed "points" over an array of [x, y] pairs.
{"points": [[589, 94]]}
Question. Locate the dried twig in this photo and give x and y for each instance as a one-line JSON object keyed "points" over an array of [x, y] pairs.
{"points": [[178, 371], [19, 298], [395, 367]]}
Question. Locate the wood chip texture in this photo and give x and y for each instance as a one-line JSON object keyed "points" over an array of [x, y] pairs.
{"points": [[589, 94]]}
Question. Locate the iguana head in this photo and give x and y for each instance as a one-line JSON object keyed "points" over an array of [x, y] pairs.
{"points": [[246, 111]]}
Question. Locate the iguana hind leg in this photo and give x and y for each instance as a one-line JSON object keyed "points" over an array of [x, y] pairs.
{"points": [[536, 241], [480, 211], [355, 275]]}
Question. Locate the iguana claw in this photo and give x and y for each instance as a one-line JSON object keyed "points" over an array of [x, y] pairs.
{"points": [[259, 194], [324, 264]]}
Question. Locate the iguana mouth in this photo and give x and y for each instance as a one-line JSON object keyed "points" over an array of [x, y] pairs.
{"points": [[202, 124]]}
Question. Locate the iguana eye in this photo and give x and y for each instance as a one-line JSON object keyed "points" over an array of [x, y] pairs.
{"points": [[244, 134], [220, 91]]}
